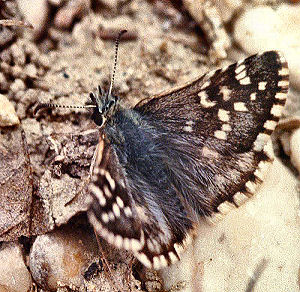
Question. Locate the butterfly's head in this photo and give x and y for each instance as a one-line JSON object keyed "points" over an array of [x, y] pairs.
{"points": [[105, 106]]}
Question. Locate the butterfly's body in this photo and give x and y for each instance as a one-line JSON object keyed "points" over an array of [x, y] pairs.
{"points": [[184, 155], [179, 156]]}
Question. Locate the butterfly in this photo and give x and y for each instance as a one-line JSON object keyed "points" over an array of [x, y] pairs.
{"points": [[182, 155]]}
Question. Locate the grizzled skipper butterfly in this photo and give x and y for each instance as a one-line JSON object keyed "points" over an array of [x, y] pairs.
{"points": [[192, 152]]}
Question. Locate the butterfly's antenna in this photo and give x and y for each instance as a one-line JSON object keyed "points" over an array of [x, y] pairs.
{"points": [[53, 105], [115, 61]]}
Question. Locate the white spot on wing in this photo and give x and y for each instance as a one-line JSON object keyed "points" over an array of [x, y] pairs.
{"points": [[104, 217], [128, 211], [111, 216], [253, 96], [156, 263], [206, 84], [172, 257], [270, 125], [283, 83], [242, 75], [204, 101], [276, 110], [250, 187], [144, 260], [118, 241], [116, 210], [260, 141], [226, 92], [190, 123], [98, 193], [135, 244], [210, 153], [225, 207], [110, 180], [240, 198], [223, 115], [220, 135], [188, 129], [240, 107], [283, 71], [280, 95], [245, 81], [107, 191], [226, 127], [163, 261], [120, 202], [262, 85], [240, 68]]}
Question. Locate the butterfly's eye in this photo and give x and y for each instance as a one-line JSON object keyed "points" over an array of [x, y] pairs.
{"points": [[97, 118]]}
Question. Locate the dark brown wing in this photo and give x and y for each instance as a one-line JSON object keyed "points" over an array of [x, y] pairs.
{"points": [[112, 211], [218, 127], [124, 222]]}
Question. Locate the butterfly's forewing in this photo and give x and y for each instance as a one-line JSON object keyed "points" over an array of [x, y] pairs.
{"points": [[112, 211], [218, 126]]}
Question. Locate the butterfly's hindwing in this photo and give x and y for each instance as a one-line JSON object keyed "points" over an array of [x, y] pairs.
{"points": [[197, 150]]}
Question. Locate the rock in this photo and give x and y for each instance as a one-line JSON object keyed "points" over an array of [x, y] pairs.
{"points": [[4, 85], [15, 185], [62, 257], [209, 19], [30, 70], [295, 148], [17, 85], [8, 116], [18, 54], [264, 28], [36, 12], [66, 15], [255, 244], [14, 276]]}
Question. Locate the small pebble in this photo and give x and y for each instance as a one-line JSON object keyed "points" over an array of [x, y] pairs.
{"points": [[30, 70], [36, 12], [4, 85], [17, 85], [264, 28], [62, 257], [295, 149], [8, 116], [44, 61], [14, 276], [18, 55]]}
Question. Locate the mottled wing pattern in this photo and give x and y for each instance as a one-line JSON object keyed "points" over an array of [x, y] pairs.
{"points": [[225, 119], [213, 133], [123, 222], [112, 211]]}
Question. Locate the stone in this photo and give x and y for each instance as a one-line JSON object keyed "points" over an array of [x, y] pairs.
{"points": [[62, 257], [264, 28], [256, 244], [295, 148], [8, 116], [14, 276]]}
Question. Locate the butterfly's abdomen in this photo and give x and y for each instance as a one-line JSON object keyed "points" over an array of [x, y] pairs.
{"points": [[144, 160]]}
